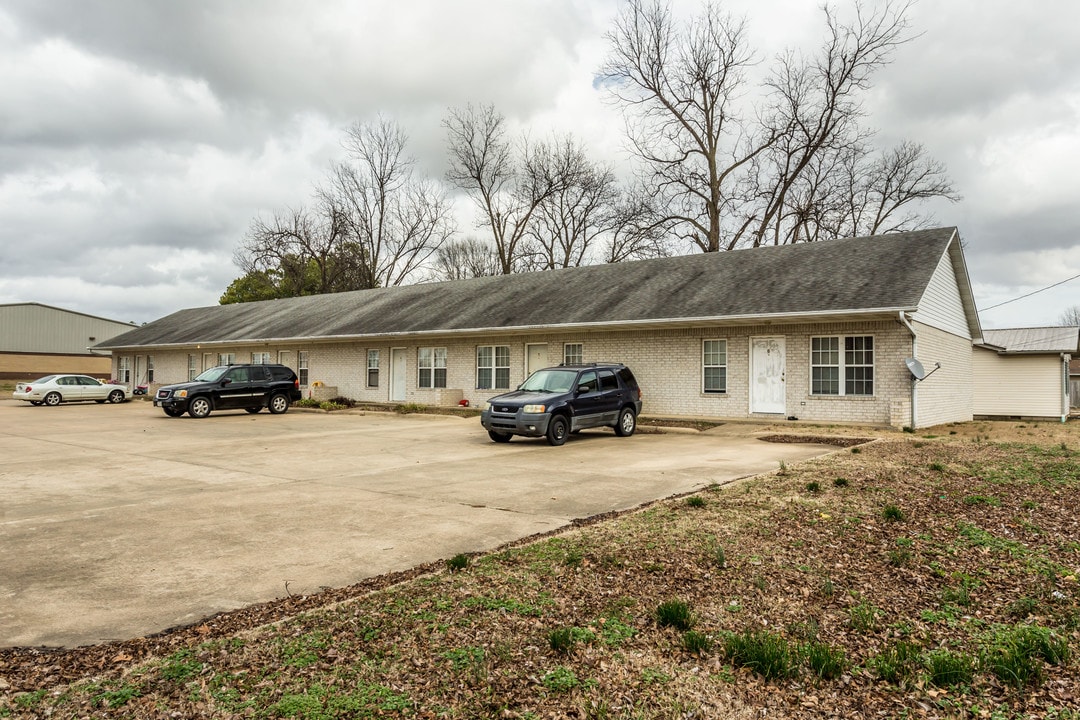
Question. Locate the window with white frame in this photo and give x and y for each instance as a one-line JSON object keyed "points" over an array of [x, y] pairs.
{"points": [[573, 354], [149, 368], [226, 359], [846, 372], [714, 366], [373, 368], [493, 367], [302, 367], [123, 369], [192, 366], [431, 367], [260, 358]]}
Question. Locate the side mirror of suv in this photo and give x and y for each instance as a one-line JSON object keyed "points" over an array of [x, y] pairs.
{"points": [[582, 389]]}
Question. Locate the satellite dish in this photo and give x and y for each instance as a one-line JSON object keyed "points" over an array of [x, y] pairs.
{"points": [[915, 368]]}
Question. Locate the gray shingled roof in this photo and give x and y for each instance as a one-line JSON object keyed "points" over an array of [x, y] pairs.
{"points": [[855, 275], [1051, 340]]}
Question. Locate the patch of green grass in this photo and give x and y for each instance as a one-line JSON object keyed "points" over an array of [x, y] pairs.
{"points": [[181, 667], [863, 617], [457, 563], [896, 663], [28, 700], [949, 669], [937, 467], [117, 698], [1022, 607], [975, 536], [613, 630], [465, 658], [695, 501], [813, 486], [892, 513], [696, 642], [305, 650], [319, 702], [563, 639], [561, 679], [827, 662], [840, 482], [765, 653], [675, 613], [982, 500]]}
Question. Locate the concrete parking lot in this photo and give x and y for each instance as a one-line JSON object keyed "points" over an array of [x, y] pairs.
{"points": [[117, 521]]}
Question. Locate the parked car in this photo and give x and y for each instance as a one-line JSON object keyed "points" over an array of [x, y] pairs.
{"points": [[557, 401], [231, 387], [55, 389]]}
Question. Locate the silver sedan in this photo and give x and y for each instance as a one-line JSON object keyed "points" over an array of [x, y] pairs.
{"points": [[55, 389]]}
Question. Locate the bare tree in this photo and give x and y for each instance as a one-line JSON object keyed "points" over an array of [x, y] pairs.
{"points": [[737, 165], [396, 220], [1070, 316], [466, 258], [506, 181]]}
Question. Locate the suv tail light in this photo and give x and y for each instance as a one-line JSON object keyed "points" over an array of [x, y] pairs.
{"points": [[296, 383]]}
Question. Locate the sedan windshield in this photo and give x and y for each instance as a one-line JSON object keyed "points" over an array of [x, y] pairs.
{"points": [[212, 375], [550, 381]]}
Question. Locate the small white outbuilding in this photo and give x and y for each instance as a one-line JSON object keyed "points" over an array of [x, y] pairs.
{"points": [[1024, 372]]}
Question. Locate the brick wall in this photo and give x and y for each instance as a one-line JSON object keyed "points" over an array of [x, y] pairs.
{"points": [[667, 364]]}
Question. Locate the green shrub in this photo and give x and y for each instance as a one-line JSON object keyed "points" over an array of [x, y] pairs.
{"points": [[695, 501], [813, 486], [767, 654], [458, 562], [676, 614], [840, 482]]}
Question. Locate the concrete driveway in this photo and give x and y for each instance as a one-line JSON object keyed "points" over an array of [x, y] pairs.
{"points": [[117, 521]]}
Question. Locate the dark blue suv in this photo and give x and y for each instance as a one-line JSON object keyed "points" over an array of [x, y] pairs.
{"points": [[557, 401]]}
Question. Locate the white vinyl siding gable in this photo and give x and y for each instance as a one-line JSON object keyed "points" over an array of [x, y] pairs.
{"points": [[941, 305]]}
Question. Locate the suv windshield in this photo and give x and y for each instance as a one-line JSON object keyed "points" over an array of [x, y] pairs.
{"points": [[211, 375], [550, 381]]}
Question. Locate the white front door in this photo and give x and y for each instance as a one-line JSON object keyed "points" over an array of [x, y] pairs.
{"points": [[397, 375], [767, 369], [537, 358]]}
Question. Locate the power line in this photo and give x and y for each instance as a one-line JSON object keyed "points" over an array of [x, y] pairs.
{"points": [[1033, 292]]}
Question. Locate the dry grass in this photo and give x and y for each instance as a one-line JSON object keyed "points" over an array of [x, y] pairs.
{"points": [[819, 584]]}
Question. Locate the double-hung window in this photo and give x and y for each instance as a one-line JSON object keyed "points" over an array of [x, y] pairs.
{"points": [[149, 368], [260, 358], [373, 368], [431, 367], [493, 367], [226, 359], [302, 367], [192, 366], [573, 354], [849, 371], [714, 366]]}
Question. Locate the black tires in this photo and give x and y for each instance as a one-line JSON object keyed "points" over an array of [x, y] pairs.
{"points": [[53, 399], [172, 412], [558, 430], [254, 410], [199, 407], [627, 423], [116, 396], [499, 437], [279, 403]]}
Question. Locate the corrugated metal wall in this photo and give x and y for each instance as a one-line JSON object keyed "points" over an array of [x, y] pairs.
{"points": [[34, 328]]}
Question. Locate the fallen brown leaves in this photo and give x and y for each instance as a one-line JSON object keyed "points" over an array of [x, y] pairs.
{"points": [[987, 537]]}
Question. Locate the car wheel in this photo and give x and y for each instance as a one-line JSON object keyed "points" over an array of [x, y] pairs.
{"points": [[52, 399], [627, 423], [199, 407], [254, 410], [116, 396], [558, 430], [278, 404], [499, 437], [172, 412]]}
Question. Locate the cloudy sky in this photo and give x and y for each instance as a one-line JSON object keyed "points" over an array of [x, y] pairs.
{"points": [[139, 138]]}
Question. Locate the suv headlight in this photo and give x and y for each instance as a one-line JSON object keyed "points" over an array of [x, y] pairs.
{"points": [[533, 409], [486, 407], [180, 394]]}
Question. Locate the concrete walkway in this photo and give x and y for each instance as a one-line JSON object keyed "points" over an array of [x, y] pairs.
{"points": [[117, 521]]}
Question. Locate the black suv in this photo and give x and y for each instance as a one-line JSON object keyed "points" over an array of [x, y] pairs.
{"points": [[231, 387], [557, 401]]}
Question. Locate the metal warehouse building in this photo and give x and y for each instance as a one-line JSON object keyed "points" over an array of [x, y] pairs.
{"points": [[38, 339]]}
